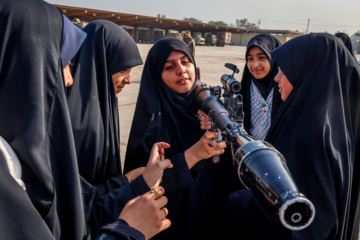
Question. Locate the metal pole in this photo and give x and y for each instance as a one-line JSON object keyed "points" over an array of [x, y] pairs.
{"points": [[307, 30]]}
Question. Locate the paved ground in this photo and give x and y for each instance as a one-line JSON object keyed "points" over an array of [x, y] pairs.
{"points": [[211, 61]]}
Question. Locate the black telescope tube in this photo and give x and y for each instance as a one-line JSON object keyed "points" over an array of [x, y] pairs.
{"points": [[261, 168], [230, 83]]}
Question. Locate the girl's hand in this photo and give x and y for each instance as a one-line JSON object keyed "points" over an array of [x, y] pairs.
{"points": [[202, 150], [147, 213], [205, 123], [134, 173], [156, 165]]}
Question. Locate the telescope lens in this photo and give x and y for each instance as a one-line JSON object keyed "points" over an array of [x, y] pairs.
{"points": [[296, 217], [235, 87]]}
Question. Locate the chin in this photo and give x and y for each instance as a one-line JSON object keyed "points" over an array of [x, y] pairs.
{"points": [[183, 90], [260, 77]]}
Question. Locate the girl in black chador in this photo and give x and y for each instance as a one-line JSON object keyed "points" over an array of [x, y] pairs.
{"points": [[347, 42], [108, 51], [317, 130], [101, 69], [166, 111], [34, 120], [260, 93]]}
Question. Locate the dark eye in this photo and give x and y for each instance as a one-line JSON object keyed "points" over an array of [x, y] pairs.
{"points": [[186, 60], [168, 67]]}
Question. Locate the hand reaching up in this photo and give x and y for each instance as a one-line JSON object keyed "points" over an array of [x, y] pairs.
{"points": [[156, 165]]}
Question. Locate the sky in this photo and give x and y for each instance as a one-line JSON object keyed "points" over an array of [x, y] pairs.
{"points": [[295, 15]]}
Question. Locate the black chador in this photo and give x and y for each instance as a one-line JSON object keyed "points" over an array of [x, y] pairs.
{"points": [[34, 120], [93, 106], [317, 130]]}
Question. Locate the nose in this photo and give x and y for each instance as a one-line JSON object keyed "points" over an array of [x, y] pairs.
{"points": [[277, 77], [180, 69], [69, 81], [128, 79]]}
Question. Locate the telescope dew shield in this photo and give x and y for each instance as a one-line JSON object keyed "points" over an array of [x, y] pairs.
{"points": [[262, 169]]}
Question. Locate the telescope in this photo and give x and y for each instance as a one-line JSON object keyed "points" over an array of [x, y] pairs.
{"points": [[260, 167]]}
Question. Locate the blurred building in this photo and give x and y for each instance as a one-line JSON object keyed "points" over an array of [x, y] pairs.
{"points": [[146, 29]]}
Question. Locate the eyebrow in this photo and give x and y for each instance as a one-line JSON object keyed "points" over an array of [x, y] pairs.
{"points": [[173, 60]]}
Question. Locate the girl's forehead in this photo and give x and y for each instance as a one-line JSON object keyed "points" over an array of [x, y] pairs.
{"points": [[176, 55], [256, 49]]}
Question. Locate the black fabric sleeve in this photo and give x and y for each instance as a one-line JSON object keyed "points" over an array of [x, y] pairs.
{"points": [[111, 184], [179, 176], [119, 230], [108, 207]]}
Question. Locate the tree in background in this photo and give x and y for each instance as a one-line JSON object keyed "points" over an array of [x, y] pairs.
{"points": [[221, 23], [192, 19], [244, 23]]}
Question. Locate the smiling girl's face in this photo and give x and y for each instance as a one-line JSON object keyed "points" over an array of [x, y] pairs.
{"points": [[179, 72], [258, 63]]}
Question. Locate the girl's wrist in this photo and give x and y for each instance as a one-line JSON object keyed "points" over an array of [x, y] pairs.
{"points": [[191, 157]]}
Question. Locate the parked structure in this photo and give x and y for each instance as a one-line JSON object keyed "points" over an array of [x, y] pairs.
{"points": [[150, 29]]}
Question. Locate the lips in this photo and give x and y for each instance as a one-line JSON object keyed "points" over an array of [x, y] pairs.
{"points": [[257, 71], [119, 88], [182, 81]]}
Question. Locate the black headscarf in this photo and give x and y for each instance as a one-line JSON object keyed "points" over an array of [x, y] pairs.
{"points": [[317, 130], [347, 42], [267, 43], [72, 39], [34, 118], [161, 114], [107, 49]]}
